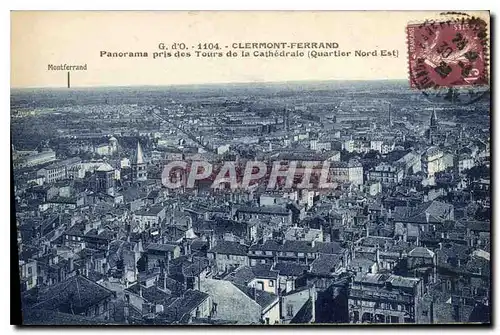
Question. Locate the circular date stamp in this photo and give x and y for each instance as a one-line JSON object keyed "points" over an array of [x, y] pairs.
{"points": [[448, 57]]}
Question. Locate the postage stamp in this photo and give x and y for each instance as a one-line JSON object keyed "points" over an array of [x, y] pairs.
{"points": [[448, 53]]}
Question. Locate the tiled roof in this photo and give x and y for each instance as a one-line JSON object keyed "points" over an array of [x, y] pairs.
{"points": [[45, 317], [230, 248], [325, 264], [290, 268], [299, 246], [245, 274], [161, 247], [184, 305], [305, 313], [221, 226], [270, 210], [432, 212], [421, 252], [263, 298], [77, 293], [151, 294]]}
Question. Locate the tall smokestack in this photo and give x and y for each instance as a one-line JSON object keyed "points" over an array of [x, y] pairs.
{"points": [[69, 80]]}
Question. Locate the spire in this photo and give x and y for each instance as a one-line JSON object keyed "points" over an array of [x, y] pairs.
{"points": [[139, 157], [434, 119]]}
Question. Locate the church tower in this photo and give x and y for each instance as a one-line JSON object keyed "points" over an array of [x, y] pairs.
{"points": [[139, 167], [434, 122], [105, 179], [433, 126]]}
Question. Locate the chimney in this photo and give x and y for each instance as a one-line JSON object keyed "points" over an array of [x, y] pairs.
{"points": [[427, 216], [367, 231], [440, 245], [140, 290], [165, 280], [71, 265], [377, 255]]}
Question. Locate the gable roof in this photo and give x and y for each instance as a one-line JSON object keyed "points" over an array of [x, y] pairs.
{"points": [[263, 298], [184, 305], [421, 252], [305, 313]]}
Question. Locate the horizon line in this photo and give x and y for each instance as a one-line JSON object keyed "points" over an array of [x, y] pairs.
{"points": [[206, 84]]}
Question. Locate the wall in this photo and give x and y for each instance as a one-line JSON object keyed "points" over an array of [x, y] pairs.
{"points": [[232, 304], [293, 303], [273, 314]]}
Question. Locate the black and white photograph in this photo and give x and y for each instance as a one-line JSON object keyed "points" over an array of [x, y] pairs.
{"points": [[187, 168]]}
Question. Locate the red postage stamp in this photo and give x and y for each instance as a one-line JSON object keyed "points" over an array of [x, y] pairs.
{"points": [[448, 54]]}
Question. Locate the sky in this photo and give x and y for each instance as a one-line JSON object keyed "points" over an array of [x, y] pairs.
{"points": [[64, 37]]}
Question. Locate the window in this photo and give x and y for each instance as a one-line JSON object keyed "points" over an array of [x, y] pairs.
{"points": [[271, 283], [30, 270], [260, 285], [289, 310]]}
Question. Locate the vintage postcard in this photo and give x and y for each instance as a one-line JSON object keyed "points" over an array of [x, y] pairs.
{"points": [[251, 168]]}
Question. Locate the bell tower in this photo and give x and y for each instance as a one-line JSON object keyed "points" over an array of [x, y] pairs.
{"points": [[139, 167]]}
